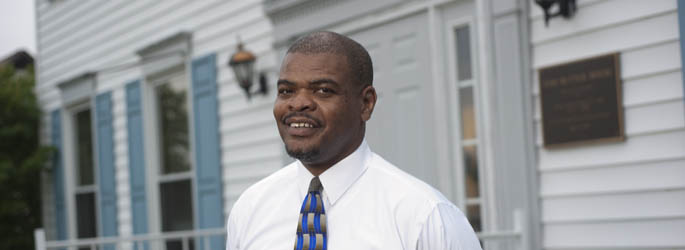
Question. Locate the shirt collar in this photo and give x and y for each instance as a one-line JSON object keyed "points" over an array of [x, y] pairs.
{"points": [[338, 178]]}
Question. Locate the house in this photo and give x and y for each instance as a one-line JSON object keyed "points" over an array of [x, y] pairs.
{"points": [[157, 140], [19, 60], [141, 103]]}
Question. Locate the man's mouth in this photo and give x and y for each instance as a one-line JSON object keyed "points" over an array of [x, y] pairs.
{"points": [[301, 125]]}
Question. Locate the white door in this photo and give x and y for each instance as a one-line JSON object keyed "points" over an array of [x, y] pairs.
{"points": [[400, 128]]}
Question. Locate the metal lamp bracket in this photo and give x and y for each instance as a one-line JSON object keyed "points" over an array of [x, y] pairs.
{"points": [[263, 86], [566, 8]]}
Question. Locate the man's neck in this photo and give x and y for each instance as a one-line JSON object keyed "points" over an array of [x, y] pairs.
{"points": [[318, 168]]}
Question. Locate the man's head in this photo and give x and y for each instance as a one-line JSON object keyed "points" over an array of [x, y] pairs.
{"points": [[325, 97]]}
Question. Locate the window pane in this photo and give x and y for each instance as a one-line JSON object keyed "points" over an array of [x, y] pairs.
{"points": [[178, 244], [85, 219], [471, 171], [467, 113], [84, 148], [173, 122], [463, 39], [473, 214], [177, 207]]}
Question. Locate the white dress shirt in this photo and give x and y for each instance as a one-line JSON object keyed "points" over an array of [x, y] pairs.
{"points": [[369, 204]]}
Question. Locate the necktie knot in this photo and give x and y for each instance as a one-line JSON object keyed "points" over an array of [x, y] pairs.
{"points": [[315, 185]]}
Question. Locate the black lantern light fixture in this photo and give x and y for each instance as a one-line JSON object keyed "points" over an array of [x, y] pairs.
{"points": [[242, 63], [566, 8]]}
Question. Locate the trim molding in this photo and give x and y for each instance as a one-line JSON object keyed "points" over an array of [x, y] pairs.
{"points": [[681, 22]]}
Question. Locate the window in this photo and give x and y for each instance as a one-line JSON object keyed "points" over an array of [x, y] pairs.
{"points": [[170, 178], [81, 191], [174, 174], [467, 116], [85, 188]]}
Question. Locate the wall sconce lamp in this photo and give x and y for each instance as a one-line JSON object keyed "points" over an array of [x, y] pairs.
{"points": [[566, 8], [242, 63]]}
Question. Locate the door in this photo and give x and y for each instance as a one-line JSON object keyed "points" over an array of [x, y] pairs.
{"points": [[400, 129]]}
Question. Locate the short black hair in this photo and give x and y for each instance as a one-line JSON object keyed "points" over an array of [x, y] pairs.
{"points": [[358, 58]]}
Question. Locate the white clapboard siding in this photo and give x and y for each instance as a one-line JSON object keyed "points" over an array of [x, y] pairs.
{"points": [[253, 154], [118, 24], [653, 88], [586, 20], [613, 207], [663, 56], [622, 178], [633, 234], [645, 32], [263, 134], [78, 25], [244, 121], [235, 101], [667, 144], [247, 174], [241, 16], [148, 31], [617, 195], [79, 36], [56, 11], [136, 33]]}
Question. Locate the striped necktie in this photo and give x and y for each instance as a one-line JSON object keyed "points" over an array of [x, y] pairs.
{"points": [[311, 227]]}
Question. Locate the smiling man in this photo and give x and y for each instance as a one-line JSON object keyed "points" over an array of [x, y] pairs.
{"points": [[339, 194]]}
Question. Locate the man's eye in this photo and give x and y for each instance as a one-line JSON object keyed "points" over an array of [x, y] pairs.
{"points": [[284, 91], [325, 91]]}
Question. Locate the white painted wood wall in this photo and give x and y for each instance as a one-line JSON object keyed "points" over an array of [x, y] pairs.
{"points": [[617, 195], [613, 195], [79, 36]]}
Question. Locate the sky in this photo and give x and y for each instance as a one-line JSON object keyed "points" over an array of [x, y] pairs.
{"points": [[17, 27]]}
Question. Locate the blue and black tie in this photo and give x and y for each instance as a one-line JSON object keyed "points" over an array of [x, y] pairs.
{"points": [[311, 227]]}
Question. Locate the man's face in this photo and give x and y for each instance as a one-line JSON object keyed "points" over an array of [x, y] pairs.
{"points": [[319, 108]]}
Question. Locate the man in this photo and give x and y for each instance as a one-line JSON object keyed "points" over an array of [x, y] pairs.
{"points": [[338, 195]]}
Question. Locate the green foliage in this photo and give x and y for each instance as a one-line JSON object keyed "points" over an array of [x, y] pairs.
{"points": [[21, 159], [174, 119]]}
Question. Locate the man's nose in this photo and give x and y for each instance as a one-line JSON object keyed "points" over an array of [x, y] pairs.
{"points": [[302, 101]]}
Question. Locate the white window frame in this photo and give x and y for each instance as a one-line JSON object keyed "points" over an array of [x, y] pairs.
{"points": [[458, 144], [159, 177], [71, 163], [76, 95], [167, 59]]}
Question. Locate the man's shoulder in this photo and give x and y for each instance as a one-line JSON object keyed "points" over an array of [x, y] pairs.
{"points": [[268, 185], [413, 201], [404, 185]]}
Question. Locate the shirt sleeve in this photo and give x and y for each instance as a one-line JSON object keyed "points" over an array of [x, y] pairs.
{"points": [[232, 233], [447, 228]]}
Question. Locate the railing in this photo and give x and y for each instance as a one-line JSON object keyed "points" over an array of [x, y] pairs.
{"points": [[204, 239], [518, 233]]}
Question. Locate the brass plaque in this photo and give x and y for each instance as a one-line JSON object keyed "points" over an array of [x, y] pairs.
{"points": [[581, 101]]}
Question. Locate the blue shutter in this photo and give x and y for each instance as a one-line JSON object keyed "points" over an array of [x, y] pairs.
{"points": [[107, 196], [136, 157], [209, 199], [58, 178]]}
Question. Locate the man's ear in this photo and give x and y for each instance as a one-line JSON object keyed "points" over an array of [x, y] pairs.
{"points": [[368, 102]]}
